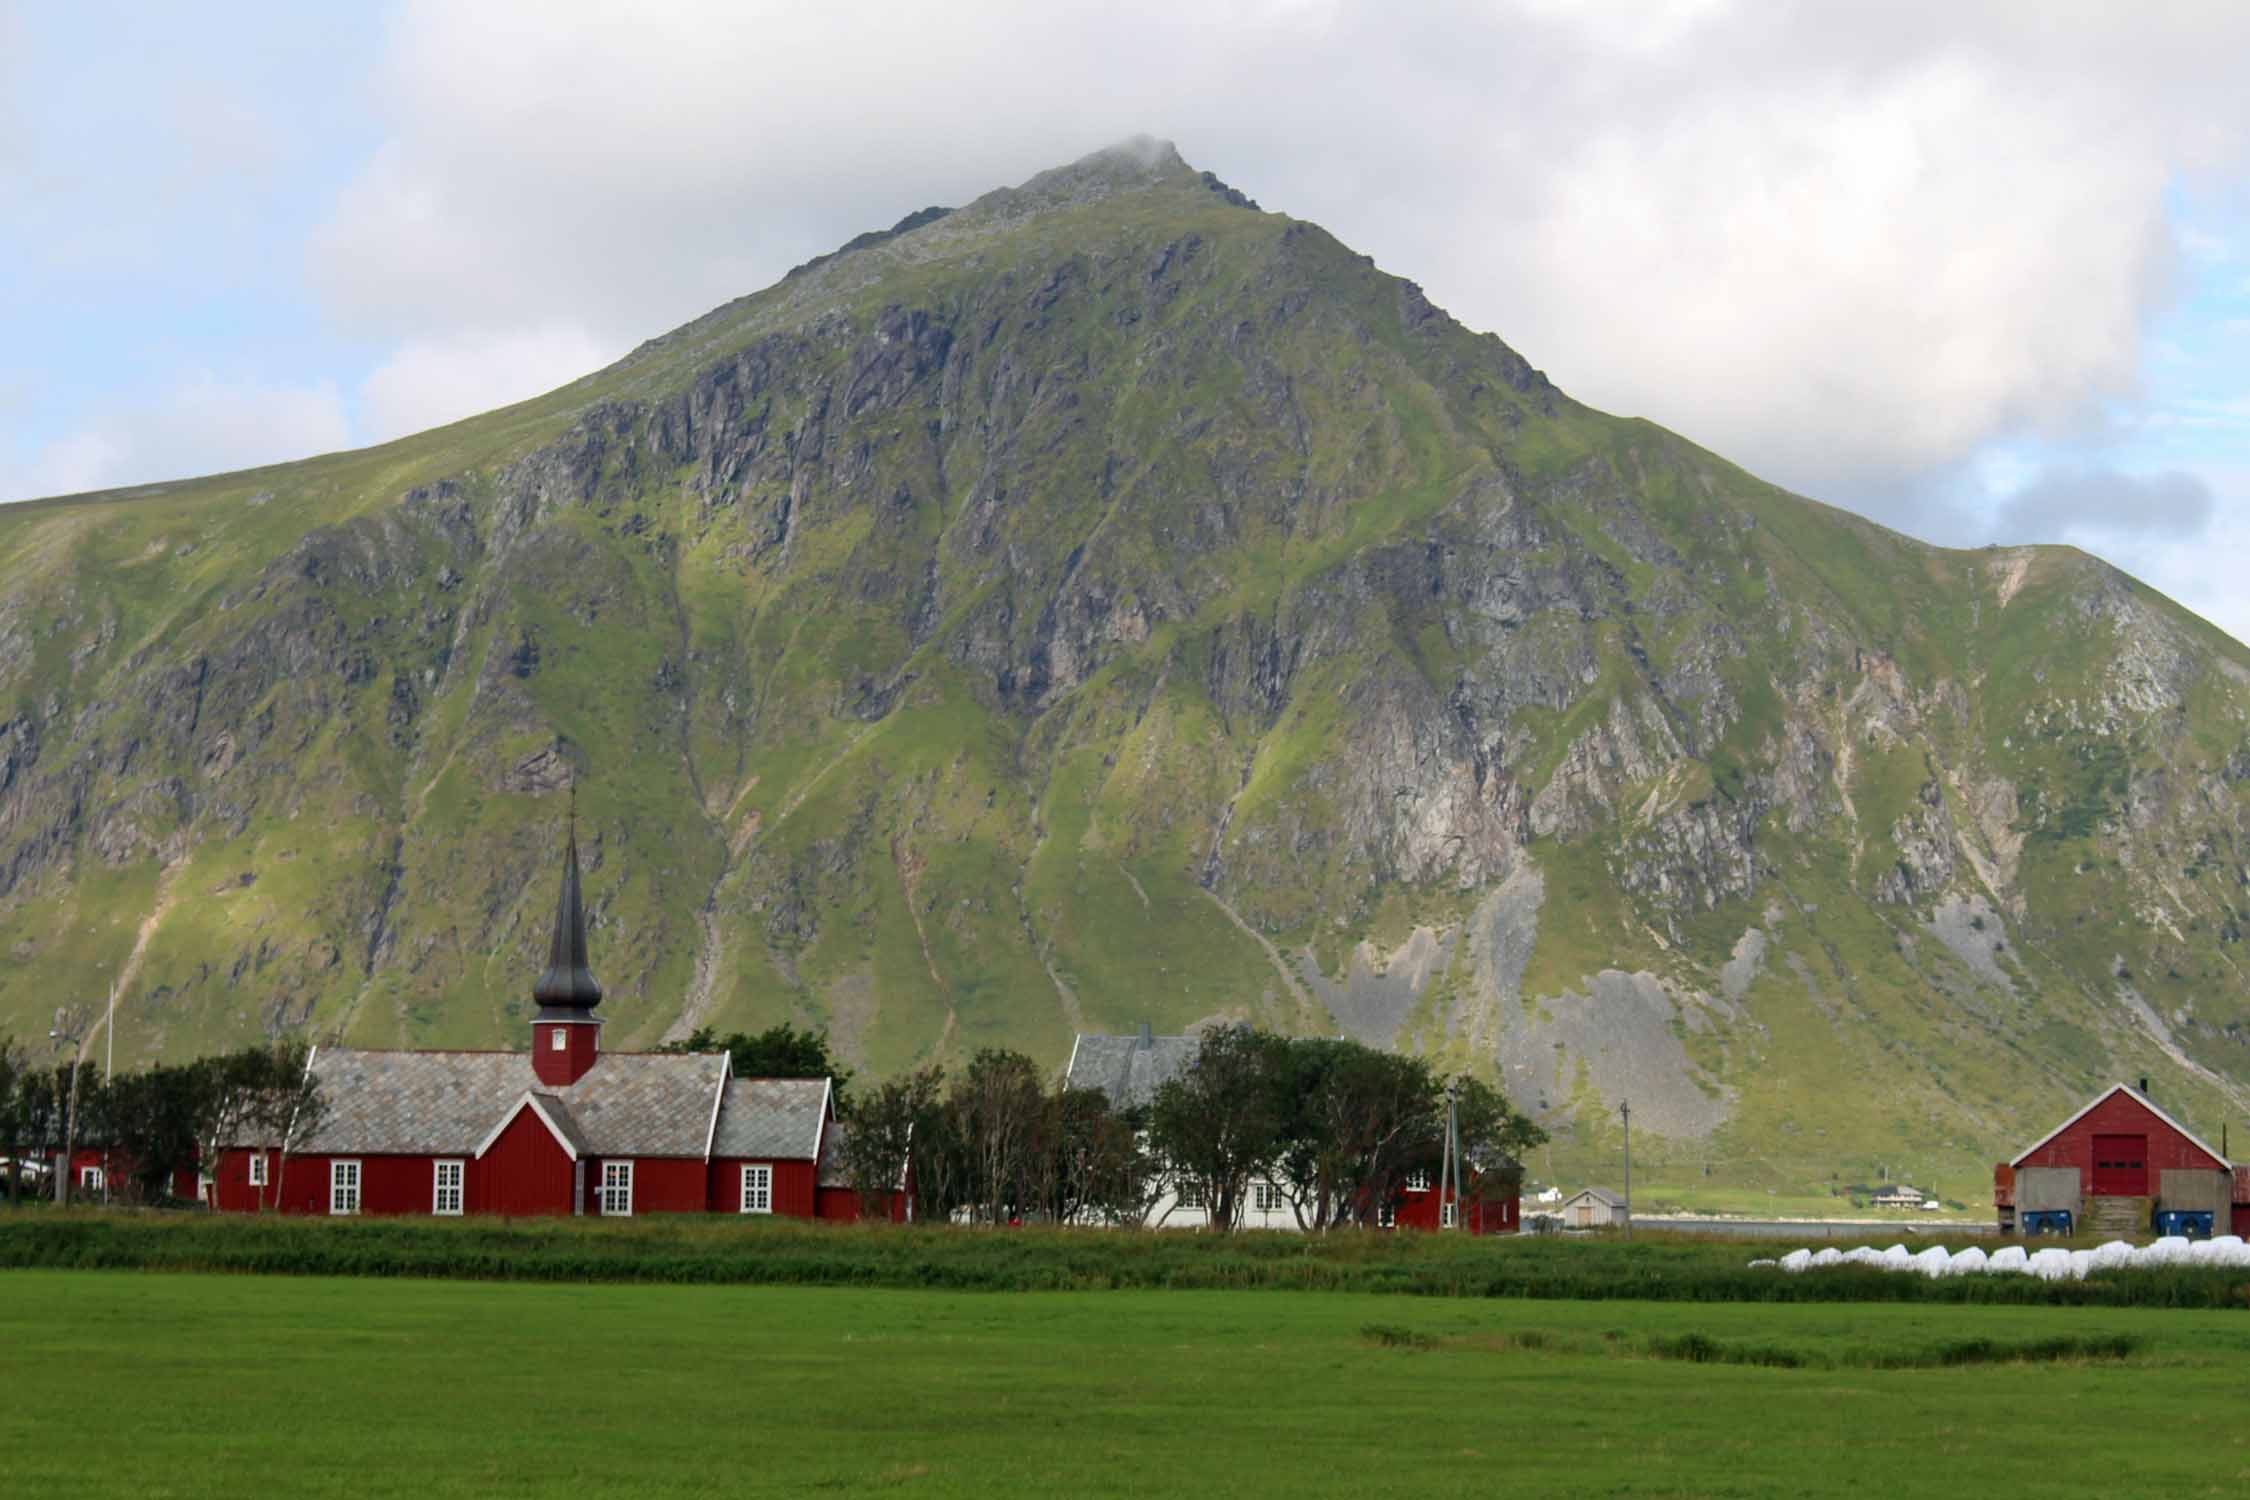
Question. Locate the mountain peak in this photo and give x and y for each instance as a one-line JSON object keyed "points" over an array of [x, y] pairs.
{"points": [[1132, 165]]}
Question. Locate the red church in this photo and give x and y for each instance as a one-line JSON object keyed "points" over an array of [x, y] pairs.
{"points": [[563, 1129]]}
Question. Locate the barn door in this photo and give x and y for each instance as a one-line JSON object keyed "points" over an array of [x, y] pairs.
{"points": [[2120, 1166]]}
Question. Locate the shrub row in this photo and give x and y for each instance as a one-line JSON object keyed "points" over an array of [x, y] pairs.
{"points": [[781, 1252]]}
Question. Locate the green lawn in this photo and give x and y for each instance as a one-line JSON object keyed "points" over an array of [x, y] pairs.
{"points": [[176, 1385]]}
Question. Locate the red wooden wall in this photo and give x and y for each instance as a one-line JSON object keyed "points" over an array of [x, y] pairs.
{"points": [[793, 1186], [1418, 1209], [2121, 1114], [661, 1185], [841, 1205], [525, 1172]]}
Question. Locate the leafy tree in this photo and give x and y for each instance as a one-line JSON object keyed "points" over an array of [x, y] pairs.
{"points": [[1221, 1122], [778, 1052], [1098, 1170], [1359, 1120], [1495, 1138], [997, 1113], [15, 1068], [883, 1132]]}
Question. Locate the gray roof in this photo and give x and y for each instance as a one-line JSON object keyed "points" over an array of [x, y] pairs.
{"points": [[440, 1103], [1599, 1195], [1129, 1068], [772, 1117], [833, 1173]]}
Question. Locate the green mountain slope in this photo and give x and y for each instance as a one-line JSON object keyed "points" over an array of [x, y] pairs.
{"points": [[1109, 603]]}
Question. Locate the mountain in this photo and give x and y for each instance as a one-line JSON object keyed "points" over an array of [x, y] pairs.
{"points": [[1112, 602]]}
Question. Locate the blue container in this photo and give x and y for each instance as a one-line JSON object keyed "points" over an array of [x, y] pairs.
{"points": [[2047, 1221], [2195, 1224]]}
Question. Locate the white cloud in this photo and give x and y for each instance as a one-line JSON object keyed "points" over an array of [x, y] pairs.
{"points": [[203, 425], [1842, 247], [431, 381]]}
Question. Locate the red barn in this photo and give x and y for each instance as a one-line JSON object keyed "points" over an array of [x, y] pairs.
{"points": [[2113, 1166], [562, 1129]]}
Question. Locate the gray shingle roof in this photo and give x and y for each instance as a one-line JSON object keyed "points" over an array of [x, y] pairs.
{"points": [[833, 1173], [1129, 1068], [439, 1103], [772, 1117]]}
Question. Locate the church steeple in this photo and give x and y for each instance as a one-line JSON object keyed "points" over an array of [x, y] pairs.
{"points": [[568, 983], [565, 1034]]}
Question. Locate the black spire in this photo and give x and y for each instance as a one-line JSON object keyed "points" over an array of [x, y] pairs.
{"points": [[568, 984]]}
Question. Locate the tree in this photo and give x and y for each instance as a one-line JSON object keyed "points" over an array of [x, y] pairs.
{"points": [[777, 1052], [1099, 1170], [148, 1121], [1494, 1139], [997, 1108], [1359, 1120], [1220, 1122], [14, 1068], [883, 1132]]}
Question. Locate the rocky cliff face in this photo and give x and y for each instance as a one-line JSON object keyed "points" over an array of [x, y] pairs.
{"points": [[1111, 602]]}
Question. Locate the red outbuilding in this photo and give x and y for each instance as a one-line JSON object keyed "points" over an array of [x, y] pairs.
{"points": [[562, 1129], [1421, 1208], [2119, 1165]]}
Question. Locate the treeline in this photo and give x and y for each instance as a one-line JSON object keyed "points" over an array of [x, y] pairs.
{"points": [[1336, 1128], [150, 1123]]}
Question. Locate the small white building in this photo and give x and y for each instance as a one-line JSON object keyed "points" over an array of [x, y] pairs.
{"points": [[1593, 1208]]}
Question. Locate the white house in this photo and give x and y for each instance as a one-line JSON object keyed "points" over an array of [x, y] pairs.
{"points": [[1130, 1069]]}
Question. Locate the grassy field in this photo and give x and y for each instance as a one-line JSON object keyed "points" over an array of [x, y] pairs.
{"points": [[193, 1385]]}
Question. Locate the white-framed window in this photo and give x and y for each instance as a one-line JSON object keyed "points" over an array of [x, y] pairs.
{"points": [[1191, 1193], [1446, 1215], [257, 1169], [561, 1043], [1418, 1181], [757, 1189], [1266, 1197], [343, 1187], [1386, 1215], [90, 1178], [617, 1187], [445, 1189]]}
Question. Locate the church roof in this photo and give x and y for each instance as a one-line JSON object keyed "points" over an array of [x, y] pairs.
{"points": [[772, 1117], [1129, 1069], [446, 1103]]}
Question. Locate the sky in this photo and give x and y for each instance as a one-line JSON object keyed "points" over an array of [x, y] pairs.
{"points": [[1981, 272]]}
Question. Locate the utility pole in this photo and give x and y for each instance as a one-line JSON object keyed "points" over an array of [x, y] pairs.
{"points": [[70, 1027], [1625, 1113], [1449, 1172], [109, 1071]]}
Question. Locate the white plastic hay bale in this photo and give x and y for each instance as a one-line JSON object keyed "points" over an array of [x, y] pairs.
{"points": [[2203, 1253], [1760, 1264], [1862, 1255], [1896, 1258], [1933, 1261], [2050, 1264], [1828, 1255], [2108, 1257], [2229, 1250], [1796, 1260], [2172, 1250], [2008, 1258], [2081, 1261], [1970, 1262]]}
